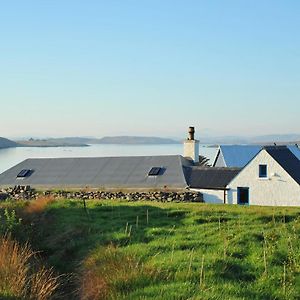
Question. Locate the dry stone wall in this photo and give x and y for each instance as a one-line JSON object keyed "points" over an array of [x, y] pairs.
{"points": [[26, 192]]}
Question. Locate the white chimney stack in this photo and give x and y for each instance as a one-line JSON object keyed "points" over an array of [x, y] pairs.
{"points": [[191, 146]]}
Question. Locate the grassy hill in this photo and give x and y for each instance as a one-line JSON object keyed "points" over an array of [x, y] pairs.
{"points": [[150, 250]]}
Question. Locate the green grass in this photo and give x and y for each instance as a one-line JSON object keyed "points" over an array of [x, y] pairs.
{"points": [[180, 251]]}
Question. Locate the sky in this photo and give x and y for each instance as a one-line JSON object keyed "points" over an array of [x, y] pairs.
{"points": [[149, 67]]}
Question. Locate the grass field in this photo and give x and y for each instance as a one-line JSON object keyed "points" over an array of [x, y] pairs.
{"points": [[150, 250]]}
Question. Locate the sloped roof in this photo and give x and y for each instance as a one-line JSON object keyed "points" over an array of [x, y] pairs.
{"points": [[237, 156], [106, 172], [211, 178], [288, 161], [295, 150]]}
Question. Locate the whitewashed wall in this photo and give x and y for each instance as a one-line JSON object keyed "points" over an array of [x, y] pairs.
{"points": [[279, 189], [191, 149], [212, 196]]}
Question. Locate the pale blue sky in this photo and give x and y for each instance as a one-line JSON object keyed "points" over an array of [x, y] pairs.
{"points": [[95, 68]]}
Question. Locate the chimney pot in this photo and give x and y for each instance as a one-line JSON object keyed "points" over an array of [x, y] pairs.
{"points": [[191, 133]]}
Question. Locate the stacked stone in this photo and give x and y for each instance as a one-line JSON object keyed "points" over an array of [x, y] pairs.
{"points": [[164, 196], [19, 192], [25, 192]]}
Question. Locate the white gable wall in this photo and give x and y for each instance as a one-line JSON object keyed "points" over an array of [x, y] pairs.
{"points": [[278, 189], [211, 196]]}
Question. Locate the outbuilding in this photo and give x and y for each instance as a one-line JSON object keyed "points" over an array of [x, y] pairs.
{"points": [[211, 182], [271, 178]]}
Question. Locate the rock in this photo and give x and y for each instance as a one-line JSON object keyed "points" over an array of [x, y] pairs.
{"points": [[4, 196]]}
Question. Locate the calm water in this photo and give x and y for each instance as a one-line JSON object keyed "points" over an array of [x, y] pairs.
{"points": [[12, 156]]}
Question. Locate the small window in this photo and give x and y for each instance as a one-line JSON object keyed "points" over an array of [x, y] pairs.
{"points": [[24, 173], [263, 171], [154, 171]]}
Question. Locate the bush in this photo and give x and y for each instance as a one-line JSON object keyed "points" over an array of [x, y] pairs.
{"points": [[10, 222]]}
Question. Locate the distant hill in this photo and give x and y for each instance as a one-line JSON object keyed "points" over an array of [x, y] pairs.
{"points": [[136, 140], [280, 138], [84, 141], [141, 140], [50, 143], [261, 140], [5, 143]]}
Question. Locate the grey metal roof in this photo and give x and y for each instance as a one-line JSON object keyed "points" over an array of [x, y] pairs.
{"points": [[295, 150], [102, 172], [211, 178], [287, 159], [238, 156]]}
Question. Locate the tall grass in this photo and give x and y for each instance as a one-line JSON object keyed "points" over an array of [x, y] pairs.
{"points": [[14, 267], [150, 250], [43, 284], [109, 273], [19, 277], [38, 205]]}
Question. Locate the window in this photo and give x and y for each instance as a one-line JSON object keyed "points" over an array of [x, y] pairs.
{"points": [[263, 171], [243, 195], [24, 173], [154, 171]]}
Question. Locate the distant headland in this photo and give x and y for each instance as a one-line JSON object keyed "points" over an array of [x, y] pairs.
{"points": [[85, 142], [146, 140]]}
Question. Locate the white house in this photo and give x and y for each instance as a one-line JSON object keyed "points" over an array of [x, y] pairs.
{"points": [[271, 178]]}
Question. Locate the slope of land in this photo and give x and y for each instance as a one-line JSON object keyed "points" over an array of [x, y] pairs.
{"points": [[50, 143], [141, 140], [6, 143], [260, 140], [151, 250], [280, 138], [79, 141]]}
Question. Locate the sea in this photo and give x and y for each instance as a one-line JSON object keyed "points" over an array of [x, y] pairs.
{"points": [[12, 156]]}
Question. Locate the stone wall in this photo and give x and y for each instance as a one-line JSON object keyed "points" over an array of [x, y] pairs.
{"points": [[19, 193], [25, 192]]}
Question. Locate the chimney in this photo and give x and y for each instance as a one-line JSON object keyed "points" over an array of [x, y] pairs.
{"points": [[191, 146], [191, 133]]}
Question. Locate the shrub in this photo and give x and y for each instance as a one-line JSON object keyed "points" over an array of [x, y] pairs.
{"points": [[10, 223]]}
